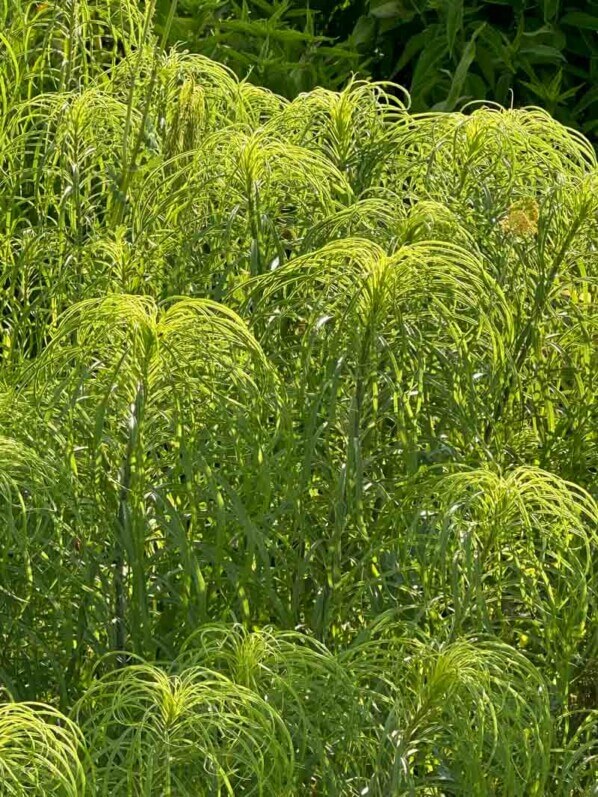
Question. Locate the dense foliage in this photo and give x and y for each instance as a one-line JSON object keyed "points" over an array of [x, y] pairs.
{"points": [[298, 456], [446, 52]]}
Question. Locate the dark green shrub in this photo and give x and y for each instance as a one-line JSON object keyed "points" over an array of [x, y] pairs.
{"points": [[445, 52]]}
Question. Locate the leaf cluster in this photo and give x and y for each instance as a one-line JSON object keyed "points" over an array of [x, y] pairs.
{"points": [[446, 52], [298, 452]]}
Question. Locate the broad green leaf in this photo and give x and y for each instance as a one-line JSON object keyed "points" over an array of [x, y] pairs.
{"points": [[454, 22], [363, 32], [390, 9], [580, 19], [542, 52], [426, 73], [461, 73], [550, 8], [413, 46]]}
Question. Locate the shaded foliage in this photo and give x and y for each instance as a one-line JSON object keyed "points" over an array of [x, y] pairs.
{"points": [[446, 52]]}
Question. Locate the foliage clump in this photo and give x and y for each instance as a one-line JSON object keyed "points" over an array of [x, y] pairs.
{"points": [[446, 52], [298, 457]]}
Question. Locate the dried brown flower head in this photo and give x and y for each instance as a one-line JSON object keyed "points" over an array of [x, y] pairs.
{"points": [[521, 219]]}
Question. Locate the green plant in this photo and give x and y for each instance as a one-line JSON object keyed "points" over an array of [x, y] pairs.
{"points": [[450, 52], [41, 752], [446, 52], [280, 44], [298, 467], [187, 734]]}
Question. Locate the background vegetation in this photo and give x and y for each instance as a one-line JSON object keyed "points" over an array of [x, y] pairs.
{"points": [[445, 52], [298, 451]]}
